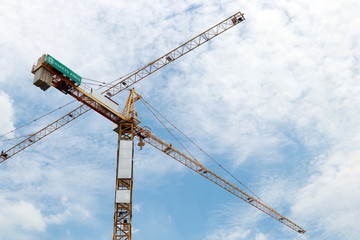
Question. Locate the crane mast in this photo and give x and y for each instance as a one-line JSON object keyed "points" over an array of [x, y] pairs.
{"points": [[124, 182], [124, 170]]}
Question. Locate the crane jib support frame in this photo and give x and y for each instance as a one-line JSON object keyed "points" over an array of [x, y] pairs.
{"points": [[33, 138], [125, 83], [176, 53], [200, 169]]}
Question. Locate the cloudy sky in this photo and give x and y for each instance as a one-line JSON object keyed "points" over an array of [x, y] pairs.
{"points": [[275, 100]]}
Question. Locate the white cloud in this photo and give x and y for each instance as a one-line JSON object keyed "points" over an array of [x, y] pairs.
{"points": [[235, 233], [5, 70], [260, 236], [19, 215], [135, 230], [7, 114], [151, 165], [137, 207], [62, 192], [328, 202], [71, 211]]}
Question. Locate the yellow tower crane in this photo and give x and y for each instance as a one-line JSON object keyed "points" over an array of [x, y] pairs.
{"points": [[50, 72]]}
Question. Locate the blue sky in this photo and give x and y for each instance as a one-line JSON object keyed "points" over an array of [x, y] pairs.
{"points": [[275, 100]]}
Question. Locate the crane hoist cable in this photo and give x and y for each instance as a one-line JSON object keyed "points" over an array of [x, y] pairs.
{"points": [[57, 133], [115, 81], [34, 120], [149, 107], [10, 139], [46, 114], [153, 110], [110, 84], [95, 82]]}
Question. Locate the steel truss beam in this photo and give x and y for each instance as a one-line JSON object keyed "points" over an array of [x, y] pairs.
{"points": [[130, 80], [197, 167]]}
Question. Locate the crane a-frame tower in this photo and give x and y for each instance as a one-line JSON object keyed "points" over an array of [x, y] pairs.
{"points": [[50, 72]]}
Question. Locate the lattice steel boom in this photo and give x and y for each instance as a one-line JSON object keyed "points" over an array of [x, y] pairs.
{"points": [[197, 167], [128, 81], [52, 127], [177, 52]]}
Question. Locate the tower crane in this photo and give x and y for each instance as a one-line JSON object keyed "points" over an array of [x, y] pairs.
{"points": [[50, 72]]}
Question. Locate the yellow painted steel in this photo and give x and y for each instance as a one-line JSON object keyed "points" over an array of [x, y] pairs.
{"points": [[128, 127], [197, 167], [136, 76], [123, 211]]}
